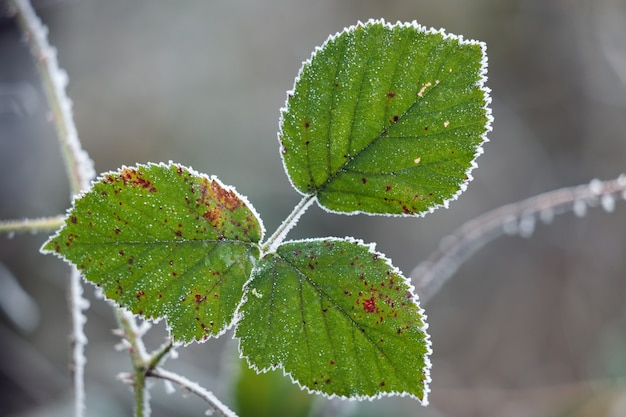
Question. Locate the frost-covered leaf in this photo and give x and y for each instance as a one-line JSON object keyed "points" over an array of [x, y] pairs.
{"points": [[164, 242], [386, 119], [338, 318]]}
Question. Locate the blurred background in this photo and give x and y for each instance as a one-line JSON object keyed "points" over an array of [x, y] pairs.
{"points": [[527, 327]]}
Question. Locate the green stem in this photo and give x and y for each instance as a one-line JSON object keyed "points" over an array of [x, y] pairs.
{"points": [[142, 362], [279, 235], [157, 356], [138, 360], [43, 224]]}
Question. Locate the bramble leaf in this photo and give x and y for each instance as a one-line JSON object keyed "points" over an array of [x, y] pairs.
{"points": [[386, 119], [164, 242], [338, 318]]}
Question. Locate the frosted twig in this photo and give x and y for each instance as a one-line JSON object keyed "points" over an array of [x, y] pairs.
{"points": [[194, 388], [517, 218], [78, 339], [139, 358], [42, 224], [77, 163]]}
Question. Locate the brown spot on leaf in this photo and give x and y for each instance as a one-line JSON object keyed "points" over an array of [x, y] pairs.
{"points": [[131, 176]]}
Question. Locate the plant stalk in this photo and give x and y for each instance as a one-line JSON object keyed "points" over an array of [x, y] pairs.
{"points": [[78, 165], [279, 235], [43, 224]]}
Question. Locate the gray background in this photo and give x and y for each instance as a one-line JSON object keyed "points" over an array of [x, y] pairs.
{"points": [[527, 327]]}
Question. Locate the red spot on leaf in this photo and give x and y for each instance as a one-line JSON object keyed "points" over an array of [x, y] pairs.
{"points": [[369, 305]]}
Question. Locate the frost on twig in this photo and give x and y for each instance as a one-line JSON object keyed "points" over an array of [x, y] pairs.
{"points": [[42, 224], [512, 219], [78, 165], [54, 79], [216, 405]]}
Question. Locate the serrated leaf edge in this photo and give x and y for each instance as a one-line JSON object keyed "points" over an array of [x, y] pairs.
{"points": [[98, 291], [371, 247], [481, 85]]}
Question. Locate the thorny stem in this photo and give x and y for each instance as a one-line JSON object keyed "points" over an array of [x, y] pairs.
{"points": [[77, 163], [147, 365], [516, 218], [279, 235], [139, 359], [42, 224]]}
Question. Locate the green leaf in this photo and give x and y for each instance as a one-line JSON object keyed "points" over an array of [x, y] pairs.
{"points": [[386, 119], [164, 242], [338, 318]]}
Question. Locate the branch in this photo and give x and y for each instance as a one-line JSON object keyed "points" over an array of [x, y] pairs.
{"points": [[194, 388], [77, 164], [139, 358], [517, 218], [42, 224]]}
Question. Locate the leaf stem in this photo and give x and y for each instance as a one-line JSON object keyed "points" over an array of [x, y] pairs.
{"points": [[279, 235], [42, 224], [515, 218]]}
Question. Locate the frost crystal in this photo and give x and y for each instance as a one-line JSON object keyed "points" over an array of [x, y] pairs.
{"points": [[580, 208], [608, 203]]}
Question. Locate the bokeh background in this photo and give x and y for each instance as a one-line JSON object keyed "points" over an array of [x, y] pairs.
{"points": [[527, 327]]}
